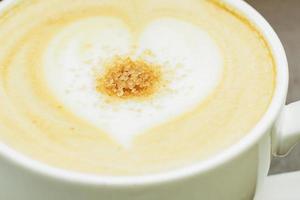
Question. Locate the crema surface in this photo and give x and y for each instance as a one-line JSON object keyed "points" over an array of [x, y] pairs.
{"points": [[217, 78]]}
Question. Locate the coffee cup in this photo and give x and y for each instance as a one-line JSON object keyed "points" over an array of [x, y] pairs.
{"points": [[236, 173]]}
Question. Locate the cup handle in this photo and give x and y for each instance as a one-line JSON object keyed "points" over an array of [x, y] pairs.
{"points": [[286, 132]]}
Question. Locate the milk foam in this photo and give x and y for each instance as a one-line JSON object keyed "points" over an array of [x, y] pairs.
{"points": [[51, 112], [190, 60]]}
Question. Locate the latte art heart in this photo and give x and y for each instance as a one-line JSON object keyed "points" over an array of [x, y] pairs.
{"points": [[189, 59], [129, 87]]}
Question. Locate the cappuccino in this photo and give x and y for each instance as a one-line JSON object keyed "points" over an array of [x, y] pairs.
{"points": [[129, 87]]}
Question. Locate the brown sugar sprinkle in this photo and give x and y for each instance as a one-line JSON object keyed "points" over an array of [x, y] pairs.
{"points": [[126, 78]]}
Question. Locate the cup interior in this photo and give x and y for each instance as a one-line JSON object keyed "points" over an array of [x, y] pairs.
{"points": [[245, 143]]}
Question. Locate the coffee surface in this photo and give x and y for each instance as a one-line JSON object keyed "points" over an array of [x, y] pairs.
{"points": [[129, 87]]}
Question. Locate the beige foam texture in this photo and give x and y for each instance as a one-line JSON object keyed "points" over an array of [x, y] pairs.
{"points": [[34, 121]]}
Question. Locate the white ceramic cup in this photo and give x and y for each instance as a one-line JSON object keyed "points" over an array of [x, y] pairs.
{"points": [[234, 174]]}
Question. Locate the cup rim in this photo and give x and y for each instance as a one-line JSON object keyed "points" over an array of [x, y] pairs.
{"points": [[228, 154]]}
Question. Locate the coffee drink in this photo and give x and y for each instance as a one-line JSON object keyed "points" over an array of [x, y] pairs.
{"points": [[129, 87]]}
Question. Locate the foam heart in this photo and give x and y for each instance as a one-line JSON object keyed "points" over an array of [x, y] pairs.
{"points": [[189, 58]]}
